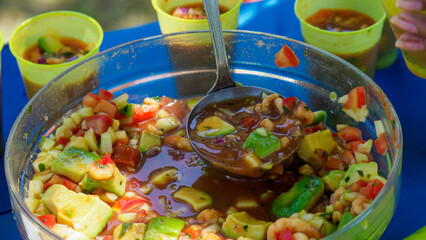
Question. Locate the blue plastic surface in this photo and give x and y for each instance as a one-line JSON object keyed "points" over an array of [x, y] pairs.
{"points": [[405, 91]]}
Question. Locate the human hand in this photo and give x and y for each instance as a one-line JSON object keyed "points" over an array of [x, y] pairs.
{"points": [[413, 23]]}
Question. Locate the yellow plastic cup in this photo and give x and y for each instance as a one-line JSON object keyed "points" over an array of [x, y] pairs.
{"points": [[68, 24], [357, 47], [1, 131], [415, 60], [170, 24]]}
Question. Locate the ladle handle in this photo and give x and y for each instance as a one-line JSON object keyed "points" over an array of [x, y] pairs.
{"points": [[223, 79]]}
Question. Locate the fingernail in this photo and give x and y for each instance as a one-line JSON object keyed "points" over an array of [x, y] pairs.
{"points": [[410, 42], [404, 24], [412, 5]]}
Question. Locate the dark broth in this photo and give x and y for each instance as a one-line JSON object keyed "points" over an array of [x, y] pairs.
{"points": [[340, 20]]}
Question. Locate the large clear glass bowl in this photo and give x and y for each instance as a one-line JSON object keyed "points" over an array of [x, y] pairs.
{"points": [[182, 65]]}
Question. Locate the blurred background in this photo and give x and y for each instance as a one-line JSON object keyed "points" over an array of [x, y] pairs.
{"points": [[111, 14]]}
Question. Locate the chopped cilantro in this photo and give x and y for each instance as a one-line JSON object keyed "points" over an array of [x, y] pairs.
{"points": [[124, 228], [245, 227], [30, 109], [286, 111], [42, 140], [361, 173], [68, 213], [375, 184], [347, 179], [156, 98], [41, 167], [368, 175]]}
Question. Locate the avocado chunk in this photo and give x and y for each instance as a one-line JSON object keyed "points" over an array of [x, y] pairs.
{"points": [[317, 140], [359, 171], [129, 231], [86, 214], [49, 44], [57, 197], [302, 196], [332, 179], [262, 142], [346, 218], [196, 198], [78, 142], [213, 126], [162, 177], [148, 140], [116, 184], [73, 163], [241, 224], [165, 228], [327, 228]]}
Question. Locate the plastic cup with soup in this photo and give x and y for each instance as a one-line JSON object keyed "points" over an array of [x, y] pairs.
{"points": [[187, 15], [415, 60], [50, 43], [357, 46]]}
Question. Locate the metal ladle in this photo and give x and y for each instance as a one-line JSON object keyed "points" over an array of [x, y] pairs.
{"points": [[224, 88]]}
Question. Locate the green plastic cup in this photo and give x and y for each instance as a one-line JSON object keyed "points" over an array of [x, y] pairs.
{"points": [[68, 24], [357, 47], [415, 60], [170, 24]]}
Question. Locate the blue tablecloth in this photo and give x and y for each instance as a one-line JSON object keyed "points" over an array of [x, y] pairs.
{"points": [[405, 91]]}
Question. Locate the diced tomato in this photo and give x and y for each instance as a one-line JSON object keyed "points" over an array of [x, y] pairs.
{"points": [[286, 57], [105, 107], [376, 188], [48, 220], [55, 179], [284, 235], [90, 100], [356, 98], [144, 125], [62, 141], [381, 144], [193, 232], [105, 94], [321, 154], [372, 189], [355, 144], [355, 186], [69, 184], [333, 163], [165, 100], [289, 103], [362, 100], [248, 122], [105, 160], [143, 112], [347, 157], [126, 155], [99, 123], [312, 129], [107, 237], [76, 129], [129, 204], [350, 134]]}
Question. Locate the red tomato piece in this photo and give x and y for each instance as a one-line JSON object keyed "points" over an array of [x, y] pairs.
{"points": [[193, 232], [284, 235], [90, 100], [165, 100], [350, 134], [48, 220], [105, 107], [376, 188], [366, 191], [107, 237], [381, 143], [62, 141], [126, 155], [355, 186], [55, 179], [68, 183], [105, 94], [106, 160], [286, 57], [248, 122], [142, 113], [99, 123], [353, 101], [129, 204], [362, 100], [289, 103], [347, 157], [355, 144]]}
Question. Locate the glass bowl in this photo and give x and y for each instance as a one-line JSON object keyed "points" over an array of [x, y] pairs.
{"points": [[182, 65]]}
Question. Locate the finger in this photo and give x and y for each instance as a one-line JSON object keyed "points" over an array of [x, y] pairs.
{"points": [[411, 42], [411, 5], [411, 22]]}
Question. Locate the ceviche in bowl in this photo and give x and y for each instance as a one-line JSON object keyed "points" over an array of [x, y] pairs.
{"points": [[111, 159]]}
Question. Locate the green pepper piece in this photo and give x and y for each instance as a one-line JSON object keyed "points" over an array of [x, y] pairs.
{"points": [[346, 217], [262, 142], [302, 196], [319, 116], [127, 110], [166, 228]]}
